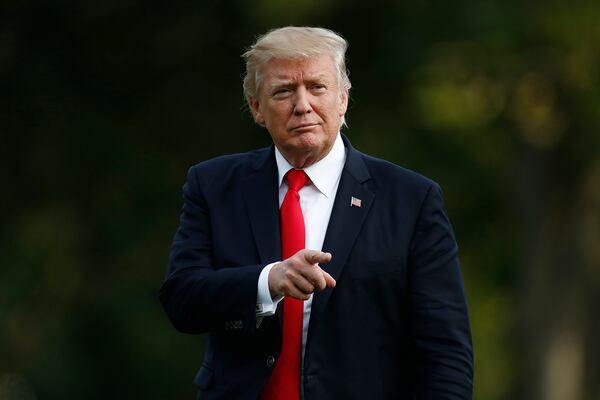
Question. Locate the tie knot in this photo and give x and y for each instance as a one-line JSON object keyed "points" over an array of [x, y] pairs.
{"points": [[296, 179]]}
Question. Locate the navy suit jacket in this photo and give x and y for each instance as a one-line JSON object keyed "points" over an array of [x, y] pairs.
{"points": [[394, 327]]}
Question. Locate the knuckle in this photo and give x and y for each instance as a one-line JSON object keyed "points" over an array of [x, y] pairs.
{"points": [[288, 274], [308, 288]]}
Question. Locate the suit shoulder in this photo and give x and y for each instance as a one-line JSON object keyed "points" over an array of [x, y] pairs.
{"points": [[228, 165], [231, 160], [387, 172], [399, 185]]}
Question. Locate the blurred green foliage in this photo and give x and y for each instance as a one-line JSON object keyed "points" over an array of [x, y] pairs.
{"points": [[105, 104]]}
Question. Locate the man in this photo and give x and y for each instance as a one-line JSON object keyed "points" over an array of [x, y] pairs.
{"points": [[318, 272]]}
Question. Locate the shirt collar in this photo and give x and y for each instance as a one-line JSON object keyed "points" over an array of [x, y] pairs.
{"points": [[325, 173]]}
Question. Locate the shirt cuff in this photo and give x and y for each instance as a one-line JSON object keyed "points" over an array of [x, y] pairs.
{"points": [[265, 305]]}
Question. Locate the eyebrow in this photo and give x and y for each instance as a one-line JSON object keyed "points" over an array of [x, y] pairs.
{"points": [[282, 82]]}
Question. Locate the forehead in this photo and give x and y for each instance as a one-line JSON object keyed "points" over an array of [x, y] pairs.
{"points": [[320, 67]]}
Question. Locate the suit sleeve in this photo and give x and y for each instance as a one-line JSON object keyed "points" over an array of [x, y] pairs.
{"points": [[441, 333], [197, 295]]}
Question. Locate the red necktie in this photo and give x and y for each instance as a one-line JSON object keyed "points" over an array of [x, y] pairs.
{"points": [[284, 382]]}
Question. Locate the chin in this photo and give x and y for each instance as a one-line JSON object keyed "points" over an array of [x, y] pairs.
{"points": [[309, 140]]}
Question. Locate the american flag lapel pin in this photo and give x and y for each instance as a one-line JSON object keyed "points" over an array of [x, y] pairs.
{"points": [[354, 202]]}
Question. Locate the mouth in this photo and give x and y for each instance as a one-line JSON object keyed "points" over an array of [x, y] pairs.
{"points": [[304, 127]]}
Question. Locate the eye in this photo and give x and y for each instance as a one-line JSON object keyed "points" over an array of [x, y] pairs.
{"points": [[281, 92], [318, 87]]}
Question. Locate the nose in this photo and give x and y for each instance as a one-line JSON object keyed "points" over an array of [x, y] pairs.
{"points": [[302, 101]]}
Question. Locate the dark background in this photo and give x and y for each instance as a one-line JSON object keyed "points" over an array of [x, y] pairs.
{"points": [[105, 104]]}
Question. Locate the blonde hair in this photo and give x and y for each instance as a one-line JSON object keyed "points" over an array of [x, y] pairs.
{"points": [[293, 42]]}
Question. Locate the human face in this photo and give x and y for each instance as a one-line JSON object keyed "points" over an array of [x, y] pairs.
{"points": [[301, 105]]}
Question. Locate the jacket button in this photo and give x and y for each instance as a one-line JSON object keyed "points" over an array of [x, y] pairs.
{"points": [[270, 361]]}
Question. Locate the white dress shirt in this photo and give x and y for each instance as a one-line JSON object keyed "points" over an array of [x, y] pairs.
{"points": [[316, 201]]}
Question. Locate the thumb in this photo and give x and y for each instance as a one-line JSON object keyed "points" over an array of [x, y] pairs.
{"points": [[315, 257]]}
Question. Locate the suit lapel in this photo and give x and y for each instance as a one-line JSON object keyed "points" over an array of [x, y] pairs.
{"points": [[262, 206], [344, 225]]}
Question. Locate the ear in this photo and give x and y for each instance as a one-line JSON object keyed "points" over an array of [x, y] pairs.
{"points": [[256, 113], [343, 103]]}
